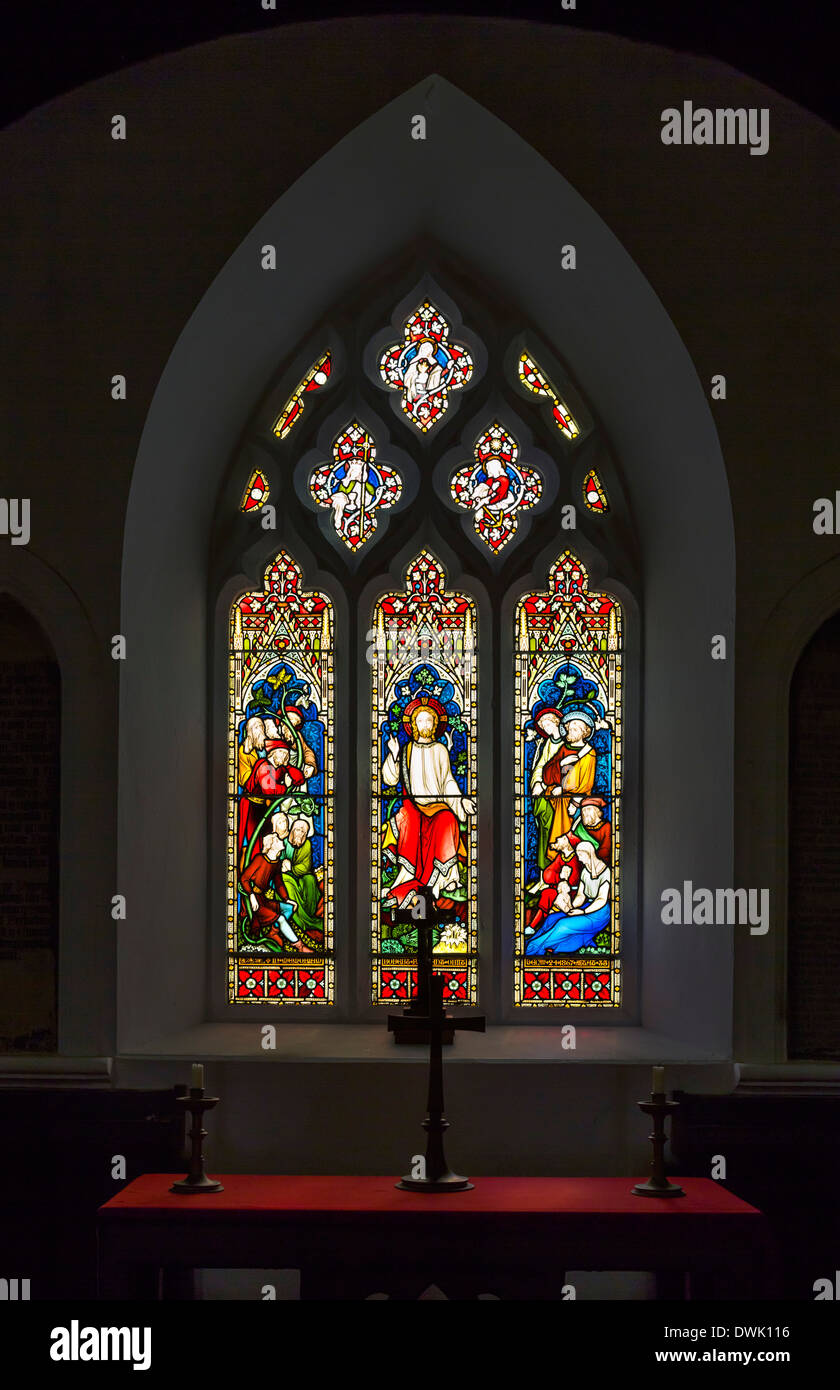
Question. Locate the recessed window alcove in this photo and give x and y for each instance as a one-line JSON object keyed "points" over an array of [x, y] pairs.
{"points": [[628, 360]]}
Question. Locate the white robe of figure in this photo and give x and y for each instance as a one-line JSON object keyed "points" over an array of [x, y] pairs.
{"points": [[426, 825], [422, 378]]}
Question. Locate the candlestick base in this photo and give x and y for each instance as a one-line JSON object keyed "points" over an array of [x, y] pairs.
{"points": [[447, 1182], [203, 1184], [655, 1189]]}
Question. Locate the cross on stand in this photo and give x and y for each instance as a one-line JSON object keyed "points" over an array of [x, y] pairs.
{"points": [[430, 1025], [421, 909]]}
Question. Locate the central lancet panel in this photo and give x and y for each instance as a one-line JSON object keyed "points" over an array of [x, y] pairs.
{"points": [[423, 777]]}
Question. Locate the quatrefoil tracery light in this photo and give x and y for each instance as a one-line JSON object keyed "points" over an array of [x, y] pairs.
{"points": [[425, 366], [496, 487]]}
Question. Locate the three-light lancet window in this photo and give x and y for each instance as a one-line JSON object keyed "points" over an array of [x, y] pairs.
{"points": [[430, 658]]}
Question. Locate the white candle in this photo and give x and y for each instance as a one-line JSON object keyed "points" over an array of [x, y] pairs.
{"points": [[198, 1076], [658, 1081]]}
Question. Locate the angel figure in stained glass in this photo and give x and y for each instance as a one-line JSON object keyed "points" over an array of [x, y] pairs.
{"points": [[354, 486], [428, 363], [496, 487], [425, 366], [356, 489]]}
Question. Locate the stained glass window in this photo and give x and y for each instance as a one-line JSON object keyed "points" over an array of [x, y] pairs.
{"points": [[353, 493], [535, 380], [315, 378], [593, 493], [567, 792], [425, 366], [280, 793], [256, 493], [354, 486], [495, 487], [424, 782]]}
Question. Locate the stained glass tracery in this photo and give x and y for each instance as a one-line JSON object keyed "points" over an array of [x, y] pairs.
{"points": [[425, 366], [280, 793], [593, 493], [568, 712], [495, 487], [567, 792], [317, 376], [535, 380], [256, 493], [424, 779], [354, 486]]}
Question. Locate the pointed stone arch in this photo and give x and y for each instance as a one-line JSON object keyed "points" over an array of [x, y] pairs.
{"points": [[627, 358]]}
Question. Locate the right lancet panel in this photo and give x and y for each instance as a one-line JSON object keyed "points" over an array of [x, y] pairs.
{"points": [[567, 793]]}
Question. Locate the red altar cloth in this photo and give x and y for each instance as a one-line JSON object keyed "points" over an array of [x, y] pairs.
{"points": [[513, 1236], [582, 1196]]}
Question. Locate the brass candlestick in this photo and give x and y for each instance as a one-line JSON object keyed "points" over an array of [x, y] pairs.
{"points": [[657, 1184], [197, 1180]]}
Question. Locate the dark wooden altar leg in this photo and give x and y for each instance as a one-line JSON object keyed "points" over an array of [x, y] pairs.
{"points": [[177, 1284], [119, 1276], [735, 1282], [134, 1283]]}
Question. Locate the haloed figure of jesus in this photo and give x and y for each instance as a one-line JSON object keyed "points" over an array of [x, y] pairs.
{"points": [[425, 834]]}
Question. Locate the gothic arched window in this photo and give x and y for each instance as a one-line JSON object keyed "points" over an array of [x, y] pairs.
{"points": [[425, 664]]}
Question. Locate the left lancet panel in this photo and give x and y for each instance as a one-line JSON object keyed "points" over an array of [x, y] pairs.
{"points": [[317, 376], [280, 895]]}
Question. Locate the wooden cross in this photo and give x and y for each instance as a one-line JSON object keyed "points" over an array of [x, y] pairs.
{"points": [[410, 913], [420, 908], [412, 1026], [421, 898]]}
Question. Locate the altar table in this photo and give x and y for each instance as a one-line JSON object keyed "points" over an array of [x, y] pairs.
{"points": [[356, 1236]]}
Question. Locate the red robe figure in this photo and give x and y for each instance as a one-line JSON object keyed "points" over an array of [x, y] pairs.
{"points": [[271, 777], [589, 826], [494, 491], [261, 874], [592, 826], [424, 837]]}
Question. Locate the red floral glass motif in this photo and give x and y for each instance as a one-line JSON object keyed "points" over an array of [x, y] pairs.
{"points": [[256, 493], [593, 493]]}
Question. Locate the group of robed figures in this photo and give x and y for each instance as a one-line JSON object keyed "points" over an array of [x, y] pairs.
{"points": [[281, 901]]}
